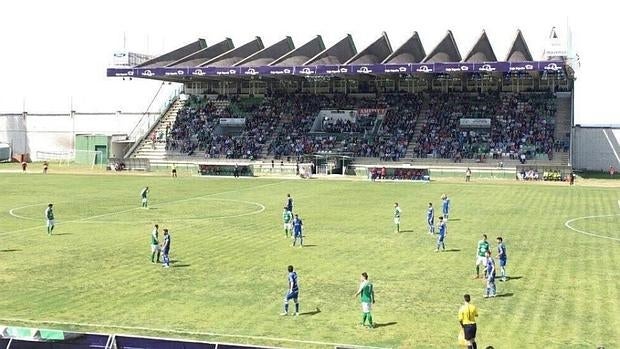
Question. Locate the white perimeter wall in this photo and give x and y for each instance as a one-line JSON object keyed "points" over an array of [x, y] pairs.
{"points": [[594, 150], [53, 132]]}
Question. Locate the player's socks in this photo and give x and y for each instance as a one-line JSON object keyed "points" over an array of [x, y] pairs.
{"points": [[370, 320], [153, 257], [477, 271], [364, 316], [296, 308], [158, 253], [286, 308]]}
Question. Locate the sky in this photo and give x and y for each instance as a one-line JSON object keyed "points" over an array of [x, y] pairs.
{"points": [[55, 53]]}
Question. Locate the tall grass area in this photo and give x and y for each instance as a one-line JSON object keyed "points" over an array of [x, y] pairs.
{"points": [[228, 275]]}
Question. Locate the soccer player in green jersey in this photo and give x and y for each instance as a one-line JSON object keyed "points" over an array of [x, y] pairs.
{"points": [[49, 215], [481, 254], [287, 218], [397, 212], [155, 250], [367, 296], [144, 194]]}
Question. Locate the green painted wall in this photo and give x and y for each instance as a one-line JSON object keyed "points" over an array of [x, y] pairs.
{"points": [[85, 145]]}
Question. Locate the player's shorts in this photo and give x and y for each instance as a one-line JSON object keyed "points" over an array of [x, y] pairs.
{"points": [[502, 262], [291, 295], [469, 331], [440, 237], [297, 234], [397, 220], [430, 221], [155, 248], [288, 226], [481, 260], [366, 307], [50, 222], [143, 200], [444, 212]]}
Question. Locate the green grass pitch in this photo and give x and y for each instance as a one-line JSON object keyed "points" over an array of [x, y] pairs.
{"points": [[230, 257]]}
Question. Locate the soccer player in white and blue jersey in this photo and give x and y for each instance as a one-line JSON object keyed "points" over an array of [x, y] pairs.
{"points": [[430, 218], [502, 256], [445, 206], [442, 230], [292, 293], [490, 276], [298, 226]]}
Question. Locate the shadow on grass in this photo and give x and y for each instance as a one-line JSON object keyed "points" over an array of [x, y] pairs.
{"points": [[406, 231], [10, 250], [310, 313], [514, 277], [453, 220], [452, 250], [61, 234], [181, 265], [510, 294], [174, 263], [385, 324], [309, 246]]}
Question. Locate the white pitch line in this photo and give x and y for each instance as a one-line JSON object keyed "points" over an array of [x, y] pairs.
{"points": [[12, 212], [197, 333], [611, 145], [135, 208], [568, 222]]}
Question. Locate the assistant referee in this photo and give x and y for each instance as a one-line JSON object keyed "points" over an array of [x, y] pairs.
{"points": [[467, 319]]}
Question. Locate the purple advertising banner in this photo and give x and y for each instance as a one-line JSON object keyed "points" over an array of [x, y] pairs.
{"points": [[266, 70], [120, 72], [222, 71], [331, 69], [197, 71], [490, 67], [453, 67], [176, 72], [523, 66], [551, 66], [249, 71], [422, 68], [305, 70], [396, 68], [149, 72], [367, 69], [377, 69]]}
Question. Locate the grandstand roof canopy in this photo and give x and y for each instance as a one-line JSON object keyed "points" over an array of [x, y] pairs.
{"points": [[204, 55], [374, 53], [482, 51], [301, 54], [339, 53], [268, 54], [445, 51], [282, 59], [411, 51], [163, 60], [519, 52], [229, 58]]}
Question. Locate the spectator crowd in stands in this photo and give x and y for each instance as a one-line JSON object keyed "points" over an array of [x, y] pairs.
{"points": [[281, 126]]}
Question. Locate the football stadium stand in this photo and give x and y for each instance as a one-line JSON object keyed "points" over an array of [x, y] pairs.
{"points": [[285, 103]]}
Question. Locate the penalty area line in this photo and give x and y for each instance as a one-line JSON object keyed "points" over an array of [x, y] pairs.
{"points": [[198, 333]]}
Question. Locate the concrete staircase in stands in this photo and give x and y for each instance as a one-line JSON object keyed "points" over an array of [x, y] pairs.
{"points": [[562, 126], [157, 152]]}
